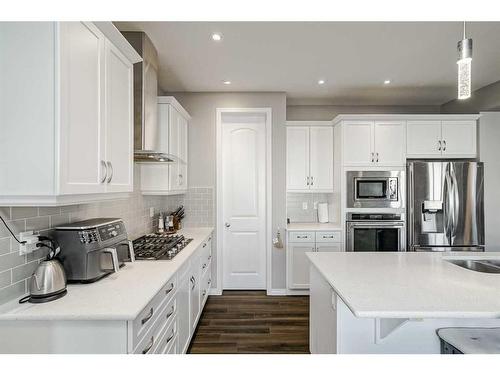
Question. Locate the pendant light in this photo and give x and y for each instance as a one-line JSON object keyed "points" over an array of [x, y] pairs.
{"points": [[464, 67]]}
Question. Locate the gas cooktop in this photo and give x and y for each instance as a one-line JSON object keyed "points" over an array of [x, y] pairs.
{"points": [[159, 246]]}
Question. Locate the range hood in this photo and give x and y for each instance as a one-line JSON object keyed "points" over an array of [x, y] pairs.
{"points": [[147, 135]]}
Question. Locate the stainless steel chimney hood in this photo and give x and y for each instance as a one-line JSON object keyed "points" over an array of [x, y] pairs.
{"points": [[147, 146]]}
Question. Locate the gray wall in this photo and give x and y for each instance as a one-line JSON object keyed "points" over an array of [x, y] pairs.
{"points": [[297, 112], [489, 151], [202, 147], [486, 98]]}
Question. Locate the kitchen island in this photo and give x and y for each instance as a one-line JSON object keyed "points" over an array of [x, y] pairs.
{"points": [[364, 302]]}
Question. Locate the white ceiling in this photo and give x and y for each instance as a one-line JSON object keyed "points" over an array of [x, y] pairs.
{"points": [[353, 57]]}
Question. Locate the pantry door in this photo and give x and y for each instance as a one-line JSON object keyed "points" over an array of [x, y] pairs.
{"points": [[243, 199]]}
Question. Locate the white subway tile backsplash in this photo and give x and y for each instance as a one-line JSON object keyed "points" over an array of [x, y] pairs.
{"points": [[23, 212], [4, 245]]}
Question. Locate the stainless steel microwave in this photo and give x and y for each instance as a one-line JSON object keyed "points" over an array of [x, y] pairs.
{"points": [[375, 189]]}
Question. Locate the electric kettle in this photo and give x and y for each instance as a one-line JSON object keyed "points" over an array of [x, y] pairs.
{"points": [[48, 282]]}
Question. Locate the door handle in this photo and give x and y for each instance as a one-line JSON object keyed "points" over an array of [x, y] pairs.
{"points": [[439, 145], [373, 157], [227, 225], [307, 180], [377, 157], [146, 318], [110, 166], [105, 167], [312, 180], [444, 145]]}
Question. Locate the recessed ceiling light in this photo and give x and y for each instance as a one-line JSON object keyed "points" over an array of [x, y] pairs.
{"points": [[226, 82], [387, 81], [216, 37], [321, 82]]}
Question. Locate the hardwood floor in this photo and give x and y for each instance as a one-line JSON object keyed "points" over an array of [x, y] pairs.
{"points": [[251, 322]]}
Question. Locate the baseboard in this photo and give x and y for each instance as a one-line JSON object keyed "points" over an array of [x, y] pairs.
{"points": [[297, 292], [215, 292], [276, 292]]}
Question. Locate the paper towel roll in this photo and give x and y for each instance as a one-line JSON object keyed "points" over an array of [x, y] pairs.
{"points": [[323, 212]]}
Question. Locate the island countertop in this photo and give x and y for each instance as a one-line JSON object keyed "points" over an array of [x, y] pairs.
{"points": [[118, 296], [410, 285]]}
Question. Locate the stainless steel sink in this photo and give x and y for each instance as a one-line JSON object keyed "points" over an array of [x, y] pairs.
{"points": [[486, 265]]}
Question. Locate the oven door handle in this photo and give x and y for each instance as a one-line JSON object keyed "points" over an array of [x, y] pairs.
{"points": [[391, 224]]}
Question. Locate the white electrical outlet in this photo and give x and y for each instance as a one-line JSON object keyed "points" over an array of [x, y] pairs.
{"points": [[31, 241], [304, 205], [151, 212]]}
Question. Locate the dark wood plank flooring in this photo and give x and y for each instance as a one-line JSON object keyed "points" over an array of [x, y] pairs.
{"points": [[251, 322]]}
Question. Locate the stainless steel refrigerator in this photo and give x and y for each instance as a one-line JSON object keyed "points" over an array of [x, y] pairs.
{"points": [[445, 206]]}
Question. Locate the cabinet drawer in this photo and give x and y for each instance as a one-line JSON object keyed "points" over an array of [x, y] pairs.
{"points": [[328, 237], [144, 321], [206, 282], [152, 337], [301, 236], [167, 337]]}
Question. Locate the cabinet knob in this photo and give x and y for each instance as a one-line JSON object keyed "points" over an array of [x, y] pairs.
{"points": [[227, 225]]}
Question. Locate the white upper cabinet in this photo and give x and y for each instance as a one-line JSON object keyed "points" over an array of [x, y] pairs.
{"points": [[358, 143], [82, 125], [389, 141], [423, 139], [441, 139], [459, 139], [297, 155], [309, 158], [81, 136], [119, 111], [169, 178], [374, 143]]}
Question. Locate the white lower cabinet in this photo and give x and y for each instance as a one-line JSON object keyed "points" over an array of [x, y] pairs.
{"points": [[300, 243], [164, 326]]}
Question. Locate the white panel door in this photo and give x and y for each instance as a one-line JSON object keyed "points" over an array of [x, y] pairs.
{"points": [[390, 143], [297, 159], [423, 139], [119, 121], [298, 265], [244, 202], [459, 139], [358, 143], [82, 149], [321, 158]]}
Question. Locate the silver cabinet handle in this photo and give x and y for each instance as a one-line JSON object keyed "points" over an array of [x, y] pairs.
{"points": [[328, 236], [204, 293], [373, 157], [209, 239], [169, 289], [114, 257], [105, 167], [301, 236], [227, 225], [307, 180], [150, 345], [204, 245], [312, 180], [131, 252], [204, 266], [149, 316], [377, 157], [171, 336], [193, 280], [439, 145], [210, 257], [209, 281], [110, 166], [444, 145], [171, 312]]}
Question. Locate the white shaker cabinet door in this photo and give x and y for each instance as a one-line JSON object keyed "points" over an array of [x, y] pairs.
{"points": [[82, 149], [321, 158], [183, 314], [328, 247], [297, 163], [390, 143], [119, 121], [423, 139], [358, 143], [298, 265], [459, 139], [194, 293]]}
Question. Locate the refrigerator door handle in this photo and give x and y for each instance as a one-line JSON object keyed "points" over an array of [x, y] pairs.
{"points": [[456, 202], [448, 211]]}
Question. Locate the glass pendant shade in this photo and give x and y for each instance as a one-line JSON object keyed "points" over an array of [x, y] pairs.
{"points": [[464, 68]]}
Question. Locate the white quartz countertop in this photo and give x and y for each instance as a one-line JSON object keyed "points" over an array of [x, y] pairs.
{"points": [[119, 296], [410, 285], [294, 227]]}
